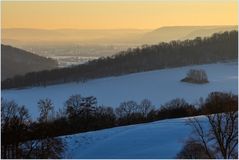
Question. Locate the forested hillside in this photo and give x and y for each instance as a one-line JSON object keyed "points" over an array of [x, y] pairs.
{"points": [[18, 62], [219, 47]]}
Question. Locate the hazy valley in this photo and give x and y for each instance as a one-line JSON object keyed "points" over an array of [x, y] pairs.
{"points": [[119, 79], [72, 46]]}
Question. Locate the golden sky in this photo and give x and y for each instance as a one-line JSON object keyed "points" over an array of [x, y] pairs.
{"points": [[118, 15]]}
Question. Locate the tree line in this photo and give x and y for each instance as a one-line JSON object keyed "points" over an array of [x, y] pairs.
{"points": [[24, 138], [19, 137], [218, 47]]}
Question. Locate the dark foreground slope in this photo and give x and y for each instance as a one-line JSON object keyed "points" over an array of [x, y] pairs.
{"points": [[219, 47], [18, 62]]}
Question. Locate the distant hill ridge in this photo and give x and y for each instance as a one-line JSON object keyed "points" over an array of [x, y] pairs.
{"points": [[168, 33], [16, 61], [16, 36]]}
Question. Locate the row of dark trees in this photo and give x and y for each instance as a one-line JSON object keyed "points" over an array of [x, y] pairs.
{"points": [[23, 138], [20, 138], [219, 47]]}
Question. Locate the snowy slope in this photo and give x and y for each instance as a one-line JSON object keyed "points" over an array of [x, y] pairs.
{"points": [[160, 139], [158, 86]]}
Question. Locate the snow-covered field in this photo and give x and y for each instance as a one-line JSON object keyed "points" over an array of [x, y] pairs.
{"points": [[158, 86], [160, 139]]}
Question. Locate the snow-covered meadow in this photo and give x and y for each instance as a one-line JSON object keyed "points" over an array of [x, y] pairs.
{"points": [[160, 139], [159, 86]]}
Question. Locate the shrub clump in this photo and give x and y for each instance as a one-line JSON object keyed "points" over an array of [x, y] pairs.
{"points": [[197, 76]]}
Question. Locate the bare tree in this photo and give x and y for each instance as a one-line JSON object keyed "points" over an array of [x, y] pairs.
{"points": [[73, 104], [46, 108], [126, 109], [221, 139], [176, 108], [145, 107], [14, 124], [47, 146], [20, 139]]}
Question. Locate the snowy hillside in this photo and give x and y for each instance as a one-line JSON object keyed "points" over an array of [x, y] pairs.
{"points": [[158, 86], [160, 139]]}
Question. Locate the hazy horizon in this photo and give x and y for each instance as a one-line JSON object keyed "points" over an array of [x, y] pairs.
{"points": [[109, 15], [215, 25]]}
